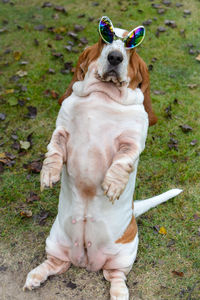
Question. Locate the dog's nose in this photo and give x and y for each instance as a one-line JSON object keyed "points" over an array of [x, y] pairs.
{"points": [[115, 58]]}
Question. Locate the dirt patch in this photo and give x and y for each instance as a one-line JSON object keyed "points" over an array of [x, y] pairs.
{"points": [[75, 284]]}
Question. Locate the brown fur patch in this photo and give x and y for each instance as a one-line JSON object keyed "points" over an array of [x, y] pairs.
{"points": [[139, 77], [124, 34], [87, 191], [90, 54], [129, 234]]}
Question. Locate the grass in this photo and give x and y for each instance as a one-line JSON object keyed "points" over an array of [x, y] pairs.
{"points": [[160, 168]]}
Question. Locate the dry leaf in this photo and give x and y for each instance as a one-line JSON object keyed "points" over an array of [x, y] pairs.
{"points": [[177, 273], [17, 55], [21, 73], [25, 145], [162, 230], [10, 91], [26, 213], [198, 57], [2, 155]]}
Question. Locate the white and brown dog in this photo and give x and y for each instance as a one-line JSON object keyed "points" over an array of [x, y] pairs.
{"points": [[100, 132]]}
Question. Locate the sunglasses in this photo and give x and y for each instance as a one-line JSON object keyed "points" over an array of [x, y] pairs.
{"points": [[132, 40]]}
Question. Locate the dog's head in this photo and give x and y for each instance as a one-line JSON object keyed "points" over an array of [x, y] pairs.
{"points": [[117, 62]]}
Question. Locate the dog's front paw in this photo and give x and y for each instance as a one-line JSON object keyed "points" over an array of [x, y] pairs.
{"points": [[48, 176], [114, 184], [112, 189]]}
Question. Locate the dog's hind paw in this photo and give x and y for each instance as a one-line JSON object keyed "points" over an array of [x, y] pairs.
{"points": [[119, 292], [33, 281]]}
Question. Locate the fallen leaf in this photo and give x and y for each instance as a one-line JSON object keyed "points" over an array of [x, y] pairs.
{"points": [[10, 155], [40, 27], [34, 166], [2, 116], [46, 4], [78, 28], [173, 144], [68, 65], [186, 128], [166, 2], [147, 22], [25, 145], [177, 273], [187, 12], [32, 197], [32, 112], [57, 54], [157, 92], [51, 71], [170, 23], [193, 142], [41, 217], [12, 101], [59, 37], [68, 48], [60, 9], [73, 35], [36, 42], [168, 111], [4, 29], [26, 213], [17, 55], [192, 85], [161, 29], [179, 4], [198, 57], [162, 230], [16, 146], [61, 29], [21, 73], [82, 16], [83, 40], [2, 155], [9, 91], [14, 78], [155, 5], [171, 243], [196, 217], [192, 51], [54, 94], [150, 67], [161, 11], [14, 137], [71, 285]]}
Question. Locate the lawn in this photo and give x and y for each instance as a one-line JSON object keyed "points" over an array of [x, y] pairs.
{"points": [[39, 47]]}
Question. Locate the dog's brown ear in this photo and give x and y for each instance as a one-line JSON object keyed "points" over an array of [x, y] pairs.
{"points": [[87, 56], [139, 77]]}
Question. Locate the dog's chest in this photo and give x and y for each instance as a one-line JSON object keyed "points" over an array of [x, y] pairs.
{"points": [[93, 124]]}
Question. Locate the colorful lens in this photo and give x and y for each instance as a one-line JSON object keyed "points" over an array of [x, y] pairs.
{"points": [[106, 30], [135, 37]]}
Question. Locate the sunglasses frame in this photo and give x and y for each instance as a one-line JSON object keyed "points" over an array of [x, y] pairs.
{"points": [[115, 37]]}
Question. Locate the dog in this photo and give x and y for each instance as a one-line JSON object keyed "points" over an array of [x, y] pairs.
{"points": [[100, 132]]}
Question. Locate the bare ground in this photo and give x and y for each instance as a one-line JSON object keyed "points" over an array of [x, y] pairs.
{"points": [[77, 284]]}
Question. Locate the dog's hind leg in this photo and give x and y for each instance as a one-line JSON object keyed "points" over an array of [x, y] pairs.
{"points": [[118, 288], [51, 266]]}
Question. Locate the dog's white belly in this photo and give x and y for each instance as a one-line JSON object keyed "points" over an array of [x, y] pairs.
{"points": [[85, 232], [88, 224]]}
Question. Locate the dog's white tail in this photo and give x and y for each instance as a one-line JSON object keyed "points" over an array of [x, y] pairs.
{"points": [[141, 206]]}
